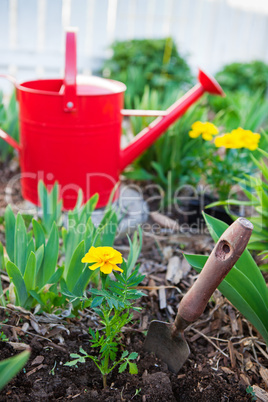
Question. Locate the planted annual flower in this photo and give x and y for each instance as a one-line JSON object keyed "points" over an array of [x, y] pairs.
{"points": [[104, 258], [113, 303]]}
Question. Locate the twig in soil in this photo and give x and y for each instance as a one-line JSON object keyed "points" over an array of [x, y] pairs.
{"points": [[261, 350], [209, 340], [253, 344], [27, 332]]}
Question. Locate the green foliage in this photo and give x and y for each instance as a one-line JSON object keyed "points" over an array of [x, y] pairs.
{"points": [[250, 391], [244, 286], [240, 109], [3, 337], [174, 159], [50, 204], [113, 304], [33, 255], [255, 188], [10, 367], [32, 265], [220, 171], [148, 62], [8, 123], [247, 77]]}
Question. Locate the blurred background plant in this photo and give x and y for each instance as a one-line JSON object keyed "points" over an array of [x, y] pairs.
{"points": [[246, 77], [227, 159], [8, 123], [174, 159], [255, 191], [155, 63]]}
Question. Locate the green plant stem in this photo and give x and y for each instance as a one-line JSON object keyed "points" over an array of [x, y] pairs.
{"points": [[104, 380]]}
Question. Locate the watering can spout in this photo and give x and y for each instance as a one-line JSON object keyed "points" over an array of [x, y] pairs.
{"points": [[149, 134]]}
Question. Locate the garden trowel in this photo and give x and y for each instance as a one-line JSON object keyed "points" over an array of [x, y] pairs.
{"points": [[167, 340]]}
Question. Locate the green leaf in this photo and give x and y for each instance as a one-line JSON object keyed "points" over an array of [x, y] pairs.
{"points": [[20, 250], [76, 267], [82, 282], [39, 254], [39, 234], [96, 301], [124, 354], [19, 284], [2, 258], [72, 363], [133, 369], [139, 174], [10, 222], [50, 257], [30, 272], [10, 367], [30, 248], [54, 279], [133, 356], [122, 367], [51, 207], [81, 350]]}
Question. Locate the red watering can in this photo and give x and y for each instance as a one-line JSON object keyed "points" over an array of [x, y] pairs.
{"points": [[70, 131]]}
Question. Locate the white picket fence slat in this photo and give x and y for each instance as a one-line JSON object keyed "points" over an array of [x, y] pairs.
{"points": [[210, 33]]}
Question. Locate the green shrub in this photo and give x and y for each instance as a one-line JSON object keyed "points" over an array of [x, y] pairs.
{"points": [[148, 62], [248, 77]]}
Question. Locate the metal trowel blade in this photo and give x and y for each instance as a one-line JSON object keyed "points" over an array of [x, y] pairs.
{"points": [[173, 350]]}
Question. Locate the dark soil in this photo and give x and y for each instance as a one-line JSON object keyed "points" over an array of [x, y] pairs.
{"points": [[226, 352], [45, 378]]}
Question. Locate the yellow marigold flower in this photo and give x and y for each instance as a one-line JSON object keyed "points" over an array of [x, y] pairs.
{"points": [[246, 138], [104, 258], [207, 130], [226, 141], [238, 138]]}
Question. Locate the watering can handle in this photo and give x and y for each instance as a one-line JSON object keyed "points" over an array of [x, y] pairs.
{"points": [[3, 135], [69, 97]]}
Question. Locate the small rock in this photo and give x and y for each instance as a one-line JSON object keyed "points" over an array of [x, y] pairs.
{"points": [[157, 380], [38, 360]]}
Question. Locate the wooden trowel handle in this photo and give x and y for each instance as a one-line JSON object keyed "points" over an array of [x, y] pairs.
{"points": [[226, 252]]}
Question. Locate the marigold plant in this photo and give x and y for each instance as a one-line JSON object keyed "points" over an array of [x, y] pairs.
{"points": [[220, 167], [113, 303]]}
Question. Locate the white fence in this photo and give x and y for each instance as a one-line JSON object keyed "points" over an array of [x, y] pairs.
{"points": [[210, 33]]}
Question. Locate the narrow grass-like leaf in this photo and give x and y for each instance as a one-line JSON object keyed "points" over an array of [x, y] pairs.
{"points": [[76, 267], [82, 282], [19, 284], [2, 266], [39, 234], [30, 272], [20, 250], [39, 254], [50, 257], [10, 222], [10, 367], [30, 248]]}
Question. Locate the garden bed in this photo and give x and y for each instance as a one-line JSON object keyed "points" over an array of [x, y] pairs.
{"points": [[227, 355]]}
